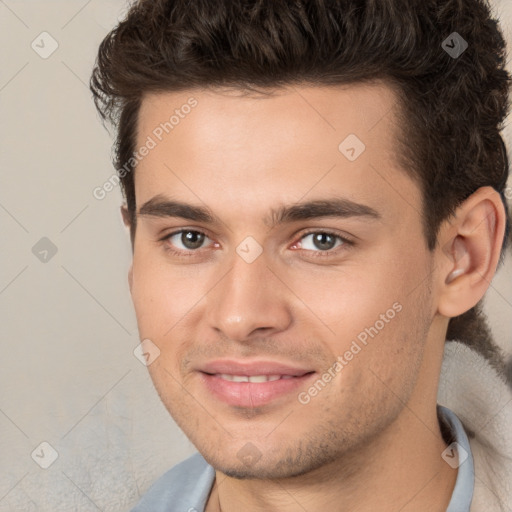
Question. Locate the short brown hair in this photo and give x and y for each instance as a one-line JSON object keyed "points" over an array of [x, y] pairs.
{"points": [[453, 106]]}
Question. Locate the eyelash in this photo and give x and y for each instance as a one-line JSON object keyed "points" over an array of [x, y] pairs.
{"points": [[346, 243]]}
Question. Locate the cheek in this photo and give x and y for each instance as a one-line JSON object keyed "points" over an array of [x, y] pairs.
{"points": [[163, 294], [348, 299], [377, 313], [394, 337]]}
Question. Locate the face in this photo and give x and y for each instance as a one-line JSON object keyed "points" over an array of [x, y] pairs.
{"points": [[281, 270]]}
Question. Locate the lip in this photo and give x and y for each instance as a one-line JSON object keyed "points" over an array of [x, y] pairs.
{"points": [[249, 394], [251, 368]]}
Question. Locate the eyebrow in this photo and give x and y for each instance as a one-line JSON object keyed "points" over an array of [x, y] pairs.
{"points": [[160, 206]]}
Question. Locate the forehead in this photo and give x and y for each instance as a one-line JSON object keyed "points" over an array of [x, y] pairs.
{"points": [[317, 113], [216, 145]]}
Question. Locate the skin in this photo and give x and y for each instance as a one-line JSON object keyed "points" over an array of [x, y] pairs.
{"points": [[370, 440]]}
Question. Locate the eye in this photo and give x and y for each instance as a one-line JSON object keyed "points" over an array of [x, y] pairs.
{"points": [[190, 241], [321, 241], [186, 239]]}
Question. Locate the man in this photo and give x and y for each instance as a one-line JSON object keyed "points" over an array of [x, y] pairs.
{"points": [[316, 198]]}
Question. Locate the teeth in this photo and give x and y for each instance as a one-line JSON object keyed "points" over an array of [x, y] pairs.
{"points": [[259, 378], [252, 378]]}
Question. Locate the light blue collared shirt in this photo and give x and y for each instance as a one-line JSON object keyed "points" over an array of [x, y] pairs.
{"points": [[465, 483], [186, 487]]}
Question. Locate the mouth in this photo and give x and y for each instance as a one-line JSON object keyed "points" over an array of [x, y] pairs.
{"points": [[252, 384], [255, 379]]}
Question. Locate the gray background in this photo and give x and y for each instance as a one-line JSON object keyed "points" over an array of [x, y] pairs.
{"points": [[68, 373]]}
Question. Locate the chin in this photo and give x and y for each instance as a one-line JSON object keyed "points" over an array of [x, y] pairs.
{"points": [[284, 465], [261, 472]]}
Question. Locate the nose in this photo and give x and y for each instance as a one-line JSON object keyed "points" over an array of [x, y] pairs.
{"points": [[249, 301]]}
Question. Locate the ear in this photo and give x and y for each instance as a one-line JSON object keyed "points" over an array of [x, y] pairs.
{"points": [[469, 251], [126, 216], [128, 224], [130, 277]]}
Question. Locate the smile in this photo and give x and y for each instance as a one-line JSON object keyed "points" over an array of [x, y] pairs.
{"points": [[253, 378], [251, 391]]}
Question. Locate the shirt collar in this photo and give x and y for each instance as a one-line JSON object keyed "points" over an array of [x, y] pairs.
{"points": [[458, 454]]}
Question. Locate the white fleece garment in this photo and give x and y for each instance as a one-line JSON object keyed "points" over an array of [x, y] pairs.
{"points": [[482, 400]]}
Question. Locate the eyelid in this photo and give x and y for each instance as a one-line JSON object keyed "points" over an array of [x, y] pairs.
{"points": [[346, 241]]}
